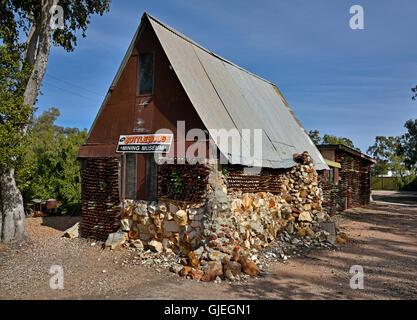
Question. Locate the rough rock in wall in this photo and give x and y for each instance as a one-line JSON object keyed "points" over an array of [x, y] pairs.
{"points": [[175, 227], [253, 220], [219, 235], [100, 198]]}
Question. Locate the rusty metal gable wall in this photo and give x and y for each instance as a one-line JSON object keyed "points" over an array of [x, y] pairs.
{"points": [[169, 103], [117, 113]]}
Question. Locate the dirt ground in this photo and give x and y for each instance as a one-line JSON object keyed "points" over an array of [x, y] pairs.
{"points": [[382, 241]]}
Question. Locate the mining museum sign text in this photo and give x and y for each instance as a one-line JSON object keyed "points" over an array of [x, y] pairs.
{"points": [[145, 143]]}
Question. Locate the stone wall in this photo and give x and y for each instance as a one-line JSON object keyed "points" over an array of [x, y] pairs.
{"points": [[163, 226], [230, 223], [243, 221]]}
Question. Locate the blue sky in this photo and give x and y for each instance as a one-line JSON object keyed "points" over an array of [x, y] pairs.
{"points": [[352, 83]]}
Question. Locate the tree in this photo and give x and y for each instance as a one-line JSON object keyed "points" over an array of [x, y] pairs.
{"points": [[389, 152], [385, 151], [409, 144], [415, 93], [53, 152], [315, 136], [330, 139], [12, 116], [32, 19]]}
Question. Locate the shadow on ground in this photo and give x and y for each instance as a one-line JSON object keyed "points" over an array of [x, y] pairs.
{"points": [[404, 197], [60, 223], [382, 239], [386, 249]]}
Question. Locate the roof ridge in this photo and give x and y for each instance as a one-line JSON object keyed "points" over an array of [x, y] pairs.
{"points": [[181, 35]]}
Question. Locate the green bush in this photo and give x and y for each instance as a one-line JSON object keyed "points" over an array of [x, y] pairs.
{"points": [[52, 165]]}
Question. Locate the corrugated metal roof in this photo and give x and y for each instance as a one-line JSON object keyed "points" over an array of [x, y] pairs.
{"points": [[228, 97]]}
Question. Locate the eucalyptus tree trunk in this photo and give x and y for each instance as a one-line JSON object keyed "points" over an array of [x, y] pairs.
{"points": [[12, 221]]}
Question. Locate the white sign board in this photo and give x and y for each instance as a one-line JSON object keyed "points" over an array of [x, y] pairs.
{"points": [[145, 143]]}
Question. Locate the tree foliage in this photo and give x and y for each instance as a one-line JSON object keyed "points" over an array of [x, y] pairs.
{"points": [[20, 24], [385, 151], [414, 90], [315, 136], [409, 144], [13, 114], [18, 16], [26, 29], [397, 155], [52, 153], [330, 139]]}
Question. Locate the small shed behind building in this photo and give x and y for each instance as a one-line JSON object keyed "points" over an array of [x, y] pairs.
{"points": [[347, 183]]}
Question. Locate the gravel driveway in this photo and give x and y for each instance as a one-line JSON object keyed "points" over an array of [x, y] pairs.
{"points": [[382, 241]]}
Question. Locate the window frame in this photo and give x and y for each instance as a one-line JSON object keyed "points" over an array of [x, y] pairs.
{"points": [[130, 194], [330, 175], [138, 84]]}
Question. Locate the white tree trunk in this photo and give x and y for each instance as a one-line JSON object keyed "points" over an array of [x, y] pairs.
{"points": [[31, 45], [42, 54], [13, 224]]}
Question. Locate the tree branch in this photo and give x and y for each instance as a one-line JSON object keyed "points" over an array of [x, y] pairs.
{"points": [[42, 55], [31, 45]]}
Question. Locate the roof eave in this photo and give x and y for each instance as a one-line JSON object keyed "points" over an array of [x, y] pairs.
{"points": [[342, 147]]}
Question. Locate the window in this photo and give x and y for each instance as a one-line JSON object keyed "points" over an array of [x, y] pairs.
{"points": [[151, 177], [145, 73], [130, 183], [330, 175]]}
